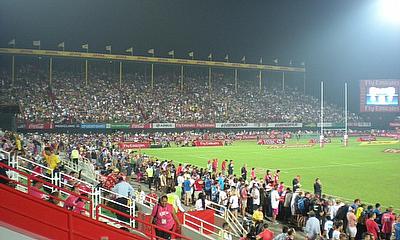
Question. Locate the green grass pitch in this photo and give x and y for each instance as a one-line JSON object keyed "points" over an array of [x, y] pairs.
{"points": [[356, 171]]}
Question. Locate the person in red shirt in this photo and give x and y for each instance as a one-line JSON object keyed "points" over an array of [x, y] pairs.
{"points": [[165, 218], [276, 177], [198, 187], [223, 167], [266, 234], [215, 165], [372, 226], [387, 221], [152, 197], [111, 179], [179, 169]]}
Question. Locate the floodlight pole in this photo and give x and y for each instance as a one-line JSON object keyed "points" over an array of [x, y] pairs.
{"points": [[236, 80], [283, 81], [182, 78], [346, 136], [209, 79], [13, 71], [321, 137], [120, 74], [260, 80], [51, 71]]}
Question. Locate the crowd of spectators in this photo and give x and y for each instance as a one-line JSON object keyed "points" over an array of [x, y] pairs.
{"points": [[69, 99], [244, 194]]}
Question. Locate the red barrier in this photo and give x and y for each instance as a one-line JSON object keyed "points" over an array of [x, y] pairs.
{"points": [[41, 218], [206, 215]]}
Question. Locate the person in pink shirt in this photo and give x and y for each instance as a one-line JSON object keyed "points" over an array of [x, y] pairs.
{"points": [[351, 223], [35, 191], [388, 219], [253, 173], [165, 218], [70, 202]]}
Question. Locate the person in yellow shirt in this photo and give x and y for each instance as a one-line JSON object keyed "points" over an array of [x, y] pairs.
{"points": [[52, 160], [359, 212], [258, 215]]}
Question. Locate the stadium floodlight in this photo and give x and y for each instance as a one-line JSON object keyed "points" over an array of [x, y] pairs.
{"points": [[389, 11]]}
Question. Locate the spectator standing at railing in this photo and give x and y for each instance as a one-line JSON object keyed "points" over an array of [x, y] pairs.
{"points": [[75, 157], [52, 159], [124, 191], [150, 174], [164, 217]]}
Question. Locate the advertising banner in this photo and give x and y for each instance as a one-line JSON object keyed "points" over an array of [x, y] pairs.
{"points": [[66, 125], [271, 141], [210, 143], [47, 125], [394, 124], [366, 139], [93, 125], [246, 137], [132, 145], [140, 126], [240, 125], [285, 125], [117, 125], [163, 125], [195, 125]]}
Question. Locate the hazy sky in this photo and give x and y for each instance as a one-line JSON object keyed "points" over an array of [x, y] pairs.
{"points": [[340, 40]]}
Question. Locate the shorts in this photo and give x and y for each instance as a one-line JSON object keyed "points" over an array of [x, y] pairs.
{"points": [[352, 231], [244, 203], [275, 211]]}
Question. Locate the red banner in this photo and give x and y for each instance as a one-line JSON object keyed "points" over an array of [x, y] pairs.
{"points": [[366, 139], [131, 145], [199, 143], [246, 137], [138, 125], [271, 141], [195, 125], [47, 125]]}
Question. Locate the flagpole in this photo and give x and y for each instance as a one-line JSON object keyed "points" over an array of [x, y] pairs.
{"points": [[152, 75], [260, 80], [181, 78], [51, 71], [283, 81], [236, 80], [120, 74], [209, 79], [321, 137]]}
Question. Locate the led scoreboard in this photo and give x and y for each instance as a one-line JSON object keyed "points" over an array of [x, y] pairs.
{"points": [[379, 95]]}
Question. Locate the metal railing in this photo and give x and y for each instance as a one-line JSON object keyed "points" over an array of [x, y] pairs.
{"points": [[228, 216]]}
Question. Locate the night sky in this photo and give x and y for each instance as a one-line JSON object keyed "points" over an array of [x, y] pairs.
{"points": [[340, 40]]}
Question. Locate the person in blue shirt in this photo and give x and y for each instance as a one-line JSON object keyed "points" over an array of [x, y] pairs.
{"points": [[397, 228], [187, 188], [124, 191]]}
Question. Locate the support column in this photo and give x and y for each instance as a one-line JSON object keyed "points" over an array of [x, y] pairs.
{"points": [[51, 71]]}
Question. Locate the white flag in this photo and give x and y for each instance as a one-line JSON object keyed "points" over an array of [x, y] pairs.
{"points": [[36, 43], [171, 53], [226, 57], [61, 45], [261, 60], [191, 54], [108, 48], [276, 61], [129, 50], [12, 42], [85, 46], [210, 56], [243, 59], [151, 51], [290, 62]]}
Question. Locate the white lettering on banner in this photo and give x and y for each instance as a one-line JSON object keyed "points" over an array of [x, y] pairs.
{"points": [[238, 125], [163, 125], [284, 125]]}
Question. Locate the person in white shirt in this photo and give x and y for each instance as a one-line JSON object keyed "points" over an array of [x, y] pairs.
{"points": [[275, 203], [255, 194], [328, 226], [234, 202], [202, 202]]}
